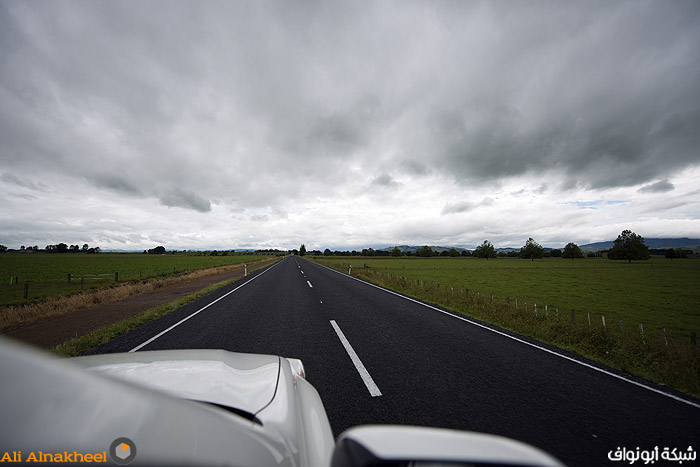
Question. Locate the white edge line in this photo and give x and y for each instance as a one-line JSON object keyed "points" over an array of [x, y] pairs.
{"points": [[366, 377], [201, 309], [679, 399]]}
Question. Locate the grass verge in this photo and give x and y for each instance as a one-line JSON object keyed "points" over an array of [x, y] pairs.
{"points": [[103, 335], [668, 361], [12, 316]]}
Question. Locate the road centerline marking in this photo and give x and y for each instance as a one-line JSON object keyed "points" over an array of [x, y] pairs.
{"points": [[364, 374], [308, 282]]}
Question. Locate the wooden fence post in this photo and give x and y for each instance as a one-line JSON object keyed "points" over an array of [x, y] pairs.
{"points": [[641, 331], [26, 290], [603, 322], [665, 339], [116, 277]]}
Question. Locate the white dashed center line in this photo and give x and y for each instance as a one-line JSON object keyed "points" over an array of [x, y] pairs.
{"points": [[369, 382], [310, 284]]}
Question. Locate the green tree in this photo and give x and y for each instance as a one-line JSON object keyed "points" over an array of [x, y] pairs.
{"points": [[396, 252], [327, 252], [453, 252], [531, 250], [485, 250], [302, 250], [629, 246], [159, 250], [675, 253], [425, 252], [572, 250]]}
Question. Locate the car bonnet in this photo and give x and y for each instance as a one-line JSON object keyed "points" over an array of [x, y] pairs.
{"points": [[244, 382]]}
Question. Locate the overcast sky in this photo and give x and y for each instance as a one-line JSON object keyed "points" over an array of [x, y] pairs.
{"points": [[240, 124]]}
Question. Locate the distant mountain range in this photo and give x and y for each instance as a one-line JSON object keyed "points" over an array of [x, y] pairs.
{"points": [[652, 243]]}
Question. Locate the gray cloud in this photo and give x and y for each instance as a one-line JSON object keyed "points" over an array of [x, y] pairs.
{"points": [[662, 186], [385, 181], [186, 200], [275, 104]]}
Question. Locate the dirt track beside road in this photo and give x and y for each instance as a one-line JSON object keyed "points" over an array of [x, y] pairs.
{"points": [[53, 331]]}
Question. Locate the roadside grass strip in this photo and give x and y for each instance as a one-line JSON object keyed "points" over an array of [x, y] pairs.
{"points": [[103, 335]]}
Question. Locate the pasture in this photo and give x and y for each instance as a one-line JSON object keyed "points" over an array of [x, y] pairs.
{"points": [[48, 274], [658, 292]]}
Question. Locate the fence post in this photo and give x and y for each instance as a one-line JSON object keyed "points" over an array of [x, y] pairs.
{"points": [[573, 315], [69, 278], [589, 319], [535, 310], [620, 325], [26, 291], [665, 340], [116, 277], [641, 331], [692, 338], [603, 322]]}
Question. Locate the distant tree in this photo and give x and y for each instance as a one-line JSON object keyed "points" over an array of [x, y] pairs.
{"points": [[572, 250], [466, 253], [3, 248], [302, 250], [485, 250], [295, 252], [159, 250], [86, 247], [453, 252], [425, 252], [555, 253], [445, 253], [396, 252], [675, 253], [629, 246], [531, 250], [327, 252]]}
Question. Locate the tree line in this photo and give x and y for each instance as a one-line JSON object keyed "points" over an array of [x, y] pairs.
{"points": [[57, 248], [628, 246]]}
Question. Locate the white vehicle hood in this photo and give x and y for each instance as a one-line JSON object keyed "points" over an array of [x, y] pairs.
{"points": [[241, 381]]}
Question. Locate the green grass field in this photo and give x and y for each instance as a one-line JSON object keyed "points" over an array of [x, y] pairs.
{"points": [[658, 293], [47, 274]]}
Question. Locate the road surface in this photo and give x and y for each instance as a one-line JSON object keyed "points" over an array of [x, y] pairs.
{"points": [[378, 357]]}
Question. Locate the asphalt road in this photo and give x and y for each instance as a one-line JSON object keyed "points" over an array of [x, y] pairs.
{"points": [[430, 367]]}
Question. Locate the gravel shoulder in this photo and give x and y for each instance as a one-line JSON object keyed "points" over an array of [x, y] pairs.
{"points": [[53, 331]]}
